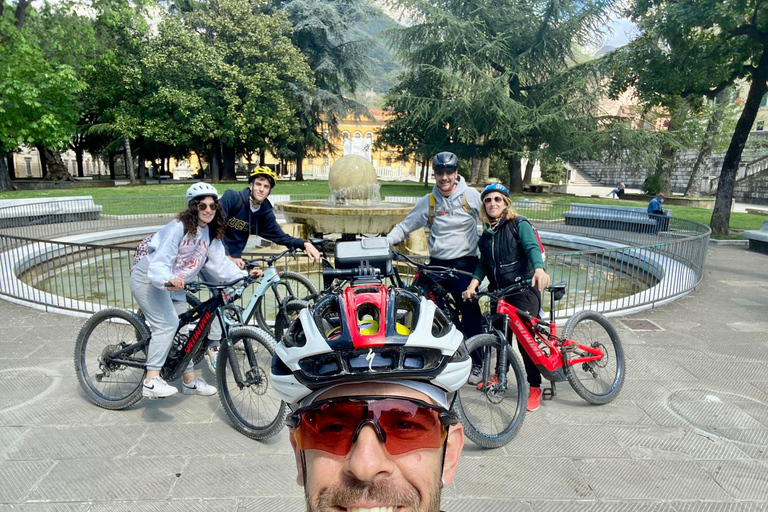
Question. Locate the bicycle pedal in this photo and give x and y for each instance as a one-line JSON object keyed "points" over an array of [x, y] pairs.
{"points": [[548, 393]]}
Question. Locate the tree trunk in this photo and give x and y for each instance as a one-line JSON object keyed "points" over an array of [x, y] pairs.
{"points": [[721, 215], [425, 163], [262, 155], [112, 173], [11, 167], [214, 165], [702, 160], [528, 172], [142, 167], [480, 167], [228, 169], [21, 12], [79, 160], [57, 171], [515, 175], [5, 177], [129, 160], [300, 162], [41, 154], [666, 165]]}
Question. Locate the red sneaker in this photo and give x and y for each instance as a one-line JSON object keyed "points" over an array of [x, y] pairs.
{"points": [[491, 383], [534, 399]]}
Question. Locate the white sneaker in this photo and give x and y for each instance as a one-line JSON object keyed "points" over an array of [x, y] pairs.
{"points": [[198, 387], [211, 355], [157, 388]]}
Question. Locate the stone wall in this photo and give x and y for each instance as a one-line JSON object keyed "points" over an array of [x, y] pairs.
{"points": [[610, 174], [752, 190]]}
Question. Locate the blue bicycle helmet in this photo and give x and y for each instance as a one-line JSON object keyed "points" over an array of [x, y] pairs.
{"points": [[494, 187]]}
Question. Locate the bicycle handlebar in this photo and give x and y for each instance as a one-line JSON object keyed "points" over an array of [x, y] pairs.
{"points": [[348, 273], [270, 260], [509, 290], [195, 286], [448, 271]]}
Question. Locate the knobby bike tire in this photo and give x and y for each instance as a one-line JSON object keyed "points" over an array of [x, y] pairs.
{"points": [[597, 382], [283, 321], [192, 302], [491, 419], [267, 306], [254, 409], [116, 387]]}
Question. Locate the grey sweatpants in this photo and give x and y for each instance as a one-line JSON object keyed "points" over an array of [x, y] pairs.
{"points": [[161, 308]]}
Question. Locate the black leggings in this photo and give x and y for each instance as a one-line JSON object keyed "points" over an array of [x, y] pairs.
{"points": [[530, 301]]}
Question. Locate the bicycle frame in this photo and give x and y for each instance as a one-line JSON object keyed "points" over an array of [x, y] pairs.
{"points": [[551, 366], [268, 278]]}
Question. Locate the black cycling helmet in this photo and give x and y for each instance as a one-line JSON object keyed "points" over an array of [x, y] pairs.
{"points": [[445, 160]]}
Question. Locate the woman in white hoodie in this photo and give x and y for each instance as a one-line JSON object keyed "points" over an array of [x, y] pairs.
{"points": [[175, 255]]}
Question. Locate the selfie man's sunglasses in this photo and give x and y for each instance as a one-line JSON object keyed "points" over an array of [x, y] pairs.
{"points": [[204, 206], [402, 424]]}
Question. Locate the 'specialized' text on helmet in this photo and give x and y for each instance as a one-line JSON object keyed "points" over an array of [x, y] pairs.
{"points": [[445, 160], [201, 190], [369, 333], [264, 172]]}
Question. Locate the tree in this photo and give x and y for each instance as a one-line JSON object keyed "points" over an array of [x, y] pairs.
{"points": [[508, 75], [693, 189], [219, 78], [37, 102], [700, 47], [321, 31]]}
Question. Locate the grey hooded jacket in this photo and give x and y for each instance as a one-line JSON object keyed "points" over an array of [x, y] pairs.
{"points": [[453, 233]]}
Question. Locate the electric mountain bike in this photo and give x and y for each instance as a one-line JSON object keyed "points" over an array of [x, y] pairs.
{"points": [[111, 352], [588, 354]]}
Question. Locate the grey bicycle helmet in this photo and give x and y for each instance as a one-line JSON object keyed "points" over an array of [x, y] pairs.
{"points": [[445, 160]]}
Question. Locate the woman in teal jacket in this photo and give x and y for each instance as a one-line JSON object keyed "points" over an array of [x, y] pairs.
{"points": [[510, 253]]}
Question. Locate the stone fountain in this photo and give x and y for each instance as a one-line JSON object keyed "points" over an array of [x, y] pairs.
{"points": [[354, 205]]}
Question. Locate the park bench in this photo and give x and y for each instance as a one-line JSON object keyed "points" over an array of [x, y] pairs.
{"points": [[623, 218], [757, 211], [758, 239], [48, 210]]}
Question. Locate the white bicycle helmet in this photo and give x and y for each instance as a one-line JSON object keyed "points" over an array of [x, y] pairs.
{"points": [[369, 333], [201, 190]]}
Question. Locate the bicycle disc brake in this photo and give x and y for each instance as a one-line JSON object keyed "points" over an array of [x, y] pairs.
{"points": [[256, 378]]}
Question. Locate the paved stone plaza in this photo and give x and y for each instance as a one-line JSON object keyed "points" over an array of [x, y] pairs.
{"points": [[689, 431]]}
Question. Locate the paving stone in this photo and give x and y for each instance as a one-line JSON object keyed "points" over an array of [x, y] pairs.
{"points": [[753, 442], [18, 477], [511, 478], [217, 438], [167, 506], [238, 477], [743, 480], [110, 480], [600, 506], [282, 504], [577, 441], [47, 507], [662, 479], [464, 505], [725, 370], [77, 442], [675, 443]]}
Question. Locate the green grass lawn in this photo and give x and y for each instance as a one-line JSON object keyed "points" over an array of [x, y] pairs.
{"points": [[739, 221]]}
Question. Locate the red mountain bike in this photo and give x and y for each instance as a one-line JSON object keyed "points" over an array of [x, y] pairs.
{"points": [[589, 355]]}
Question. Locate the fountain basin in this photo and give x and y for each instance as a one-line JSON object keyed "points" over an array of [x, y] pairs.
{"points": [[322, 217]]}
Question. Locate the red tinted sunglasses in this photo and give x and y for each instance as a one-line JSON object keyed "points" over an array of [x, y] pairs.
{"points": [[402, 424]]}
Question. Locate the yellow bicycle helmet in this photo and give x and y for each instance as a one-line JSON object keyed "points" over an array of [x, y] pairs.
{"points": [[263, 171]]}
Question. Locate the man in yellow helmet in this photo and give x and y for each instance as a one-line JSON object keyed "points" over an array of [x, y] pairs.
{"points": [[248, 212]]}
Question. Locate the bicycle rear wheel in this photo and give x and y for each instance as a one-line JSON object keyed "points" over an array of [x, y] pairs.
{"points": [[107, 384], [491, 416], [597, 382], [291, 284], [242, 375]]}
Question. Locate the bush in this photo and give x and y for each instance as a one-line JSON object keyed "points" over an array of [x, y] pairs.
{"points": [[653, 184], [553, 172]]}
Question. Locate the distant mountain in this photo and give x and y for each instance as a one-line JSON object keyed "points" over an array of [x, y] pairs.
{"points": [[384, 67]]}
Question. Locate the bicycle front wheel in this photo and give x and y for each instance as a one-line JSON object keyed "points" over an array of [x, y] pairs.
{"points": [[491, 415], [107, 384], [283, 321], [242, 374], [292, 285], [597, 382]]}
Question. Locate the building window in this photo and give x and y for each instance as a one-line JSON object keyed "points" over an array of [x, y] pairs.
{"points": [[344, 135], [28, 165], [764, 101], [310, 160], [358, 135], [325, 160], [388, 161]]}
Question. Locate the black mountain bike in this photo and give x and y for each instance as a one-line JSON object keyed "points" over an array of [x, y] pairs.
{"points": [[111, 354]]}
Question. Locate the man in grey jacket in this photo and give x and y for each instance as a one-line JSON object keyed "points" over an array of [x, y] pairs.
{"points": [[451, 211]]}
